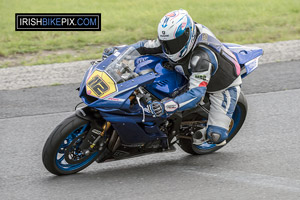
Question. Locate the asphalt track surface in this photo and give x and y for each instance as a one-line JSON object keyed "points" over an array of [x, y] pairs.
{"points": [[261, 162]]}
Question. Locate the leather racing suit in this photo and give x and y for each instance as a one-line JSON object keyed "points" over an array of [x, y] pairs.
{"points": [[211, 68]]}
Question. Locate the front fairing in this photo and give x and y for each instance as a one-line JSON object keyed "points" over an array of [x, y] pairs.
{"points": [[107, 85]]}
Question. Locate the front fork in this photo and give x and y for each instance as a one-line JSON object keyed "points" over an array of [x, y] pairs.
{"points": [[98, 134], [101, 135]]}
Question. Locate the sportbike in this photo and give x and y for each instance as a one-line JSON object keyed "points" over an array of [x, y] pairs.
{"points": [[116, 122]]}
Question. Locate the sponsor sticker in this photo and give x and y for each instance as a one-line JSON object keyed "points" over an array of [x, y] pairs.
{"points": [[171, 106], [200, 76], [115, 99]]}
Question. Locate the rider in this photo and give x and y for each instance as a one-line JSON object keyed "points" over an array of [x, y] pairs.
{"points": [[211, 68]]}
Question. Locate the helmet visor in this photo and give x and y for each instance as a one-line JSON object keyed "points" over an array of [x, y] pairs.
{"points": [[175, 45]]}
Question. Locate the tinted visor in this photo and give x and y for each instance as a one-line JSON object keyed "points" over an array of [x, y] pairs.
{"points": [[175, 45]]}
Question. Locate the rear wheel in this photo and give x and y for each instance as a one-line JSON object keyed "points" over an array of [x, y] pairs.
{"points": [[62, 154], [238, 119]]}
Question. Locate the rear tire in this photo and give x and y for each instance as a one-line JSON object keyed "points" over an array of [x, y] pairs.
{"points": [[59, 140], [239, 117]]}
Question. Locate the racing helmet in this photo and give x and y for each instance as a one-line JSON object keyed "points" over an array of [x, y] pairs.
{"points": [[176, 33]]}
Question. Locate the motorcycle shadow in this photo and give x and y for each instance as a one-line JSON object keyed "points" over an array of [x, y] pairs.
{"points": [[145, 167]]}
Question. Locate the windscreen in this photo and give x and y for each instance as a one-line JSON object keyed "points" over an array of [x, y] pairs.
{"points": [[122, 69]]}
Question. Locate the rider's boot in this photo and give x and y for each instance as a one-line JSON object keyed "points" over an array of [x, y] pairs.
{"points": [[218, 138]]}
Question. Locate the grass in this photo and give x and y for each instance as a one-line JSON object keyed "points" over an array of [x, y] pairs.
{"points": [[56, 84], [127, 21]]}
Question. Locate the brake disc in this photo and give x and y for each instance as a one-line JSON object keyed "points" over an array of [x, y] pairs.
{"points": [[73, 153]]}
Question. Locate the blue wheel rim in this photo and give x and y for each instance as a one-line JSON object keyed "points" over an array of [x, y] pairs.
{"points": [[60, 156], [236, 118]]}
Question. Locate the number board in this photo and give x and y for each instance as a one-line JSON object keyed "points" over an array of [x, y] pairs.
{"points": [[99, 85]]}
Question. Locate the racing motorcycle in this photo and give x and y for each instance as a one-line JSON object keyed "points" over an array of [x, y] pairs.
{"points": [[116, 122]]}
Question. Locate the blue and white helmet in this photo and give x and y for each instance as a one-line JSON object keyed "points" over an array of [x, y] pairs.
{"points": [[176, 33]]}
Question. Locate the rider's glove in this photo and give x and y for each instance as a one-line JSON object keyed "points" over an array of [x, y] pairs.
{"points": [[108, 51], [166, 106], [157, 108]]}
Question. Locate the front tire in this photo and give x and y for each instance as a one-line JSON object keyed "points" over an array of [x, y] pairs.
{"points": [[71, 131], [238, 117]]}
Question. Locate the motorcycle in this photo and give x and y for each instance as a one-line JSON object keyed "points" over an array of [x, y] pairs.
{"points": [[116, 122]]}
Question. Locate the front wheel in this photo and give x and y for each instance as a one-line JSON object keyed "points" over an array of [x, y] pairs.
{"points": [[62, 154], [238, 119]]}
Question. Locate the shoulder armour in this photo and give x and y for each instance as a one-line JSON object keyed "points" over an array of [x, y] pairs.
{"points": [[200, 60]]}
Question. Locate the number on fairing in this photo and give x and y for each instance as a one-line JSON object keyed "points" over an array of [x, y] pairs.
{"points": [[98, 85]]}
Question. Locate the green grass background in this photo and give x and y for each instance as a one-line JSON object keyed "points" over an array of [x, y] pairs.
{"points": [[127, 21]]}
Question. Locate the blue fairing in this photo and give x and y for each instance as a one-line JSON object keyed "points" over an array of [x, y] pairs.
{"points": [[167, 83], [115, 108], [246, 56]]}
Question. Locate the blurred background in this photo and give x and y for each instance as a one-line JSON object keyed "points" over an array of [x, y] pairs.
{"points": [[262, 162], [127, 21]]}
